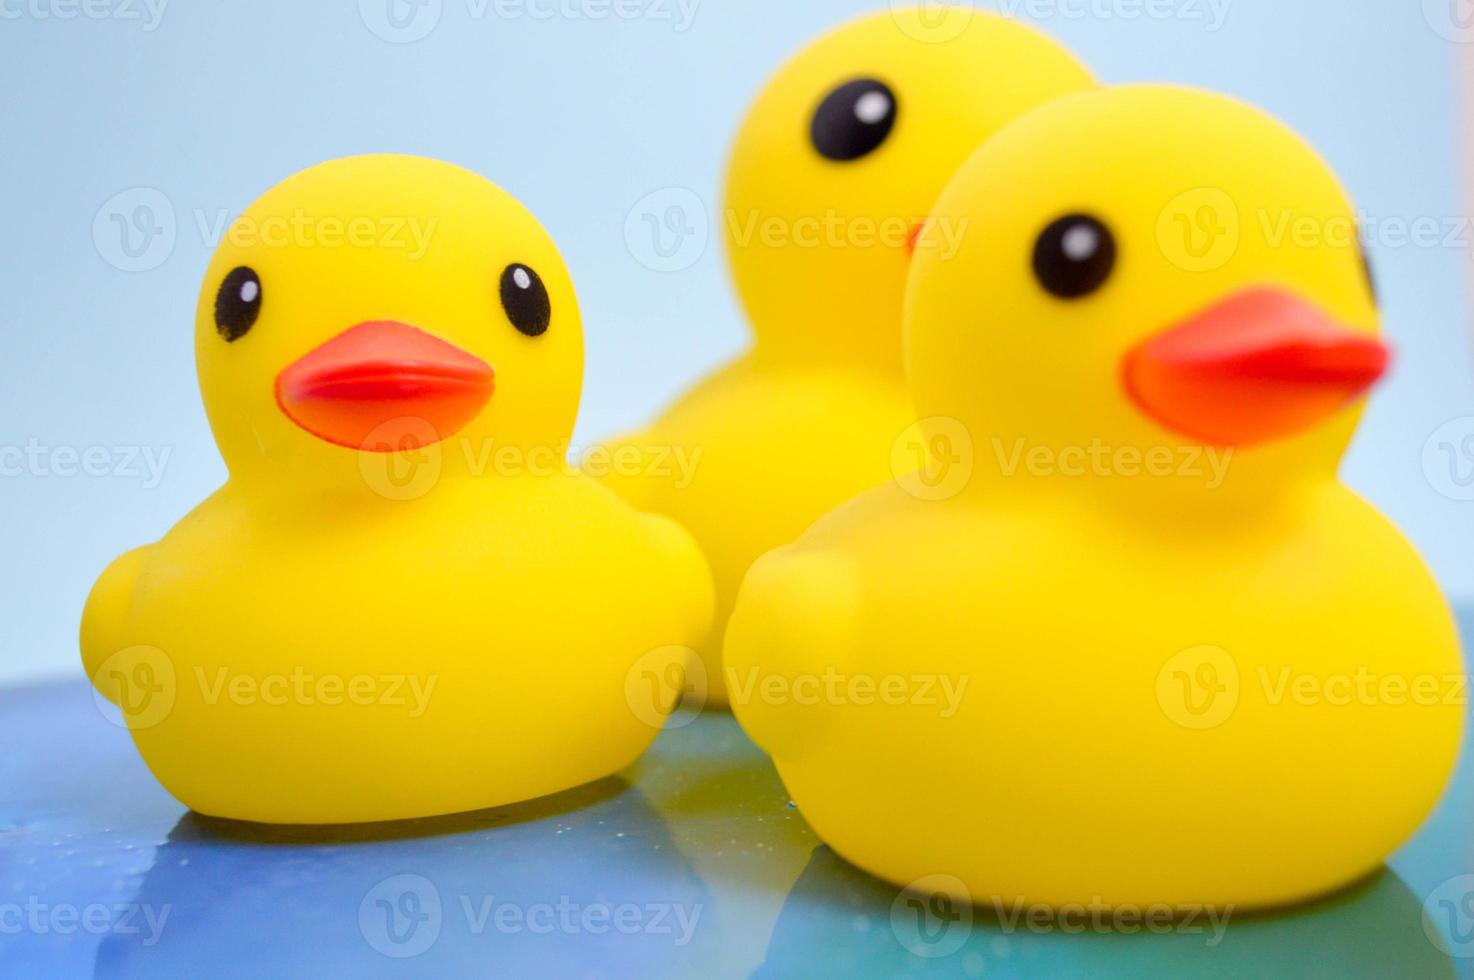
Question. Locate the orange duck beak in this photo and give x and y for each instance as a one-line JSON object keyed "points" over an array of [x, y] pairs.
{"points": [[375, 386], [1259, 366]]}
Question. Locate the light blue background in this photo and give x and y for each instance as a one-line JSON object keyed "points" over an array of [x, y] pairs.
{"points": [[581, 118]]}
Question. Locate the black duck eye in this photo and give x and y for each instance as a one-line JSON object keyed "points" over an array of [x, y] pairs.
{"points": [[1074, 256], [525, 299], [238, 303], [853, 120]]}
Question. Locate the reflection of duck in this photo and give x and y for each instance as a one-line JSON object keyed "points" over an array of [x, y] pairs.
{"points": [[729, 812], [570, 885], [836, 163], [462, 647], [1186, 660], [839, 920]]}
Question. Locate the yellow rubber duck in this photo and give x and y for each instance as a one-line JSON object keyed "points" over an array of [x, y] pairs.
{"points": [[833, 170], [402, 603], [1149, 651]]}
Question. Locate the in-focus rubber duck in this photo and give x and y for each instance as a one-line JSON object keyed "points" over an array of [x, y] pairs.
{"points": [[833, 171], [1150, 650], [402, 602]]}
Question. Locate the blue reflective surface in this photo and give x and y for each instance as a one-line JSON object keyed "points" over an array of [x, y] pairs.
{"points": [[691, 863]]}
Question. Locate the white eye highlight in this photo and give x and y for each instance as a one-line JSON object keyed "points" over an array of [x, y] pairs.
{"points": [[872, 107]]}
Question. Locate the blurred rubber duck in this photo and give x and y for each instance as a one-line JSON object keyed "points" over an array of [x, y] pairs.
{"points": [[1149, 650], [402, 602], [833, 170]]}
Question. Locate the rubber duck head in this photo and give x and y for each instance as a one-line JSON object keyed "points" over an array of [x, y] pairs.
{"points": [[1152, 272], [381, 305], [842, 155]]}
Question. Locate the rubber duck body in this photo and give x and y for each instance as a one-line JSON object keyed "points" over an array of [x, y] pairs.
{"points": [[402, 602], [831, 175], [1146, 650]]}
